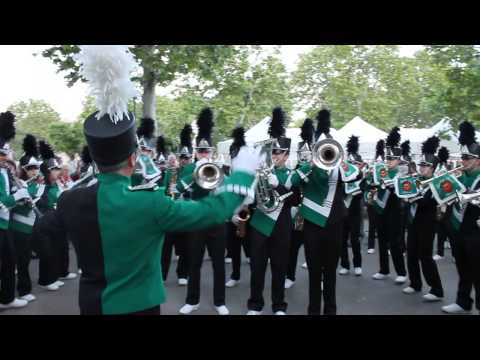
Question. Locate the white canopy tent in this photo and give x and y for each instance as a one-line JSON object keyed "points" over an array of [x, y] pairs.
{"points": [[367, 133]]}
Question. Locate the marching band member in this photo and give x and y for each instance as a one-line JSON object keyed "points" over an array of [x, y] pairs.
{"points": [[53, 247], [407, 166], [372, 228], [118, 256], [353, 203], [238, 228], [323, 210], [442, 225], [421, 230], [304, 155], [169, 180], [388, 213], [23, 216], [465, 222], [271, 232], [146, 169], [212, 238], [8, 201]]}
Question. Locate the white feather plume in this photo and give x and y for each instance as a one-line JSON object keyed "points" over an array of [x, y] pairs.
{"points": [[107, 69]]}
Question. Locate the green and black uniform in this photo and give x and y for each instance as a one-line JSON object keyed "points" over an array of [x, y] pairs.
{"points": [[212, 238], [120, 233], [174, 239], [7, 251], [52, 246], [465, 234], [324, 212], [270, 239], [21, 224]]}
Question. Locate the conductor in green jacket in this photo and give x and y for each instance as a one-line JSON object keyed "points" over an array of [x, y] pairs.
{"points": [[120, 229]]}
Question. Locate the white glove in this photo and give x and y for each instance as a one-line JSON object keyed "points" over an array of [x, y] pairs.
{"points": [[273, 180], [21, 194], [235, 220], [247, 160], [200, 163]]}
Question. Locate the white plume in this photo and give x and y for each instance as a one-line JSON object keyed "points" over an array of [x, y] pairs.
{"points": [[107, 69]]}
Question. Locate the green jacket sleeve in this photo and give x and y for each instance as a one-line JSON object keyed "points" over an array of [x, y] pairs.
{"points": [[211, 210], [6, 199]]}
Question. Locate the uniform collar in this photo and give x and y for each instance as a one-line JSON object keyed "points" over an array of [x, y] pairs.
{"points": [[112, 177]]}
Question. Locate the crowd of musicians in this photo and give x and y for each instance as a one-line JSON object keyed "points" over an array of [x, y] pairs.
{"points": [[318, 204]]}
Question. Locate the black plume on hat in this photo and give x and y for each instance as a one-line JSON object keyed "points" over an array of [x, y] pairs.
{"points": [[380, 149], [7, 126], [238, 136], [186, 136], [352, 145], [467, 134], [30, 146], [430, 145], [307, 131], [405, 149], [443, 154], [277, 124], [146, 128], [85, 155], [323, 123], [393, 138], [205, 125], [160, 145], [46, 151]]}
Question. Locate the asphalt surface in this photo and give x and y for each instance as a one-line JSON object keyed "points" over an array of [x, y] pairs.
{"points": [[355, 295]]}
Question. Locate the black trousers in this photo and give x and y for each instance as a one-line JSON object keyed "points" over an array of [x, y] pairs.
{"points": [[234, 248], [7, 268], [351, 231], [297, 242], [213, 239], [47, 246], [179, 240], [442, 236], [389, 229], [421, 236], [322, 251], [466, 250], [372, 229], [276, 248], [23, 251]]}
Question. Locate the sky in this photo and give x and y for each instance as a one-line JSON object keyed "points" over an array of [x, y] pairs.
{"points": [[24, 76]]}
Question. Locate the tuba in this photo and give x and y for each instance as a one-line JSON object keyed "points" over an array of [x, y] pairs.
{"points": [[327, 154]]}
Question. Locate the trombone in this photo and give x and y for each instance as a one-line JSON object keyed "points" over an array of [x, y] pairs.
{"points": [[425, 183]]}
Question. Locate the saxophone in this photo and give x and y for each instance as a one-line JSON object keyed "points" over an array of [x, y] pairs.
{"points": [[173, 181], [243, 217]]}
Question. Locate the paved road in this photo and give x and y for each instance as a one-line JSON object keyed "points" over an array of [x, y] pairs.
{"points": [[355, 295]]}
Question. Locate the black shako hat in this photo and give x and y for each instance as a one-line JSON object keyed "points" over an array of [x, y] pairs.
{"points": [[110, 143]]}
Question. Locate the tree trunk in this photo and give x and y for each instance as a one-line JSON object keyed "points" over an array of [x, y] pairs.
{"points": [[148, 97]]}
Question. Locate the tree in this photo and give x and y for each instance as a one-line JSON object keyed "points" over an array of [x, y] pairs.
{"points": [[373, 82], [67, 137], [461, 93], [160, 65], [243, 91], [33, 117]]}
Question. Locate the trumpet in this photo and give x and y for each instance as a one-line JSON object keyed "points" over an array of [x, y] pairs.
{"points": [[208, 176], [327, 154], [425, 183], [470, 198]]}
